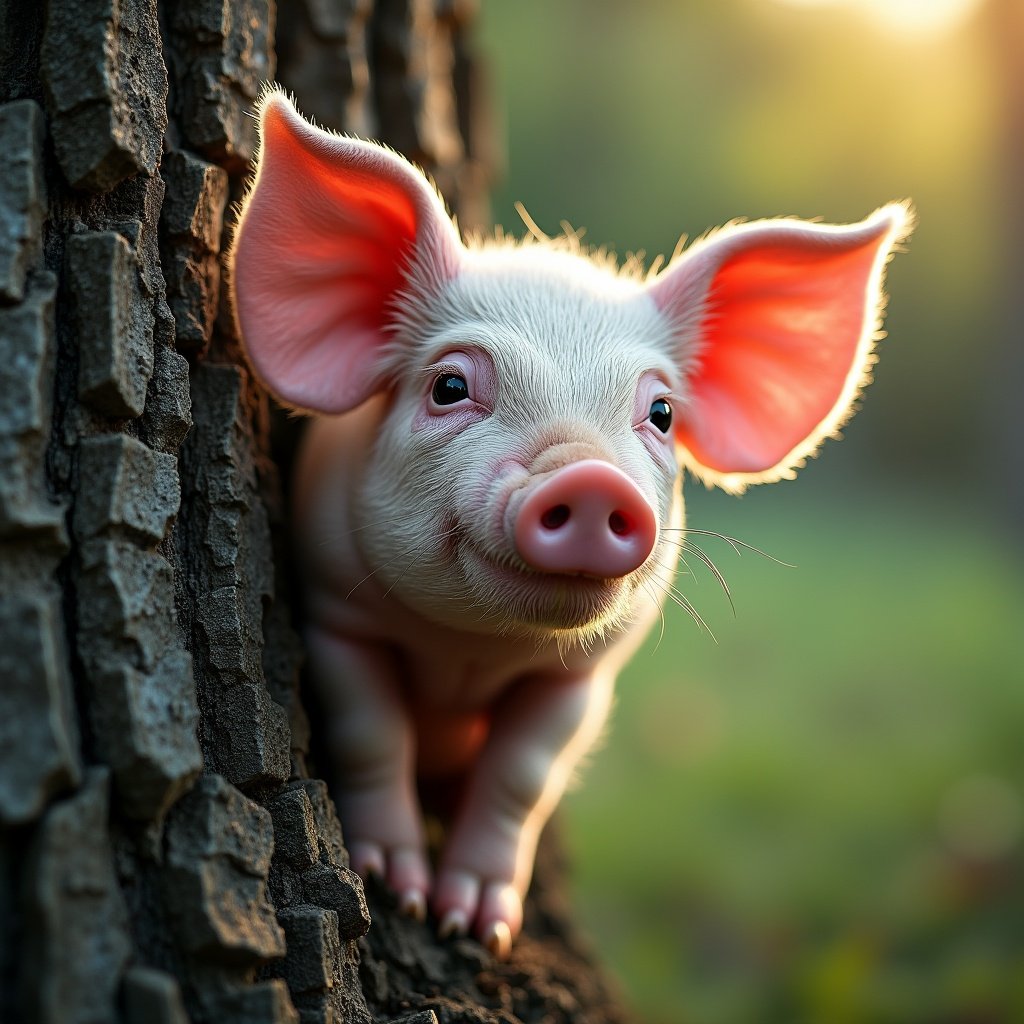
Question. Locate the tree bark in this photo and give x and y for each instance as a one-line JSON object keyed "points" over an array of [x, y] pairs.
{"points": [[167, 852]]}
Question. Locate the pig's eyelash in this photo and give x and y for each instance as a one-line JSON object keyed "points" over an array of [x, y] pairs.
{"points": [[443, 367], [669, 394], [676, 401]]}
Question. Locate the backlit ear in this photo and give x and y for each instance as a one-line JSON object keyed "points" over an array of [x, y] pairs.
{"points": [[775, 323], [333, 229]]}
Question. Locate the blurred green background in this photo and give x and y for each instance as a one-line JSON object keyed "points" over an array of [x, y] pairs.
{"points": [[819, 818]]}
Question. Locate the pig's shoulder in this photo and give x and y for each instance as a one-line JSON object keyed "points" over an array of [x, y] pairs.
{"points": [[329, 464]]}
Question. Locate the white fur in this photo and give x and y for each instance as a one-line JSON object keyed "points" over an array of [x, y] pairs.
{"points": [[427, 631]]}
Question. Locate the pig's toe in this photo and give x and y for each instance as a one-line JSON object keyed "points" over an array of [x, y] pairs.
{"points": [[403, 868], [494, 909], [499, 918], [497, 937], [413, 903], [409, 876], [367, 858], [456, 898], [454, 922]]}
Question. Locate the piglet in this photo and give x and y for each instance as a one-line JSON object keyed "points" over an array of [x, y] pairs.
{"points": [[488, 506]]}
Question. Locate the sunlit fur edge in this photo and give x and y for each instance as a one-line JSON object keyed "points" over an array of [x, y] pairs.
{"points": [[903, 220], [860, 376], [269, 92]]}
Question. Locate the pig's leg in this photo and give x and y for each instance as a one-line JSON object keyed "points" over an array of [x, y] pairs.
{"points": [[540, 730], [372, 745]]}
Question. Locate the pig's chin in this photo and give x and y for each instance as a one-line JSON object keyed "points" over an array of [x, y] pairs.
{"points": [[514, 598]]}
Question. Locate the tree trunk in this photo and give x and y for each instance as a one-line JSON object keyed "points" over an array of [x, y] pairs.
{"points": [[166, 851]]}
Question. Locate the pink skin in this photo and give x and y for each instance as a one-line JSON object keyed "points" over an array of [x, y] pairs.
{"points": [[485, 515], [508, 711], [588, 518]]}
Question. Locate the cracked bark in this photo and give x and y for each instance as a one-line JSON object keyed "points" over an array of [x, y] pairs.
{"points": [[167, 852]]}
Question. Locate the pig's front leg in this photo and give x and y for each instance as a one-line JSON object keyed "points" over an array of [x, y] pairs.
{"points": [[540, 730], [372, 745]]}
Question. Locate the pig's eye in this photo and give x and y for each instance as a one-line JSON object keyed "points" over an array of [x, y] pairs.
{"points": [[661, 415], [450, 388]]}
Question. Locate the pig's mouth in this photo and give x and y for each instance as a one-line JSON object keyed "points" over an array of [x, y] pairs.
{"points": [[547, 600]]}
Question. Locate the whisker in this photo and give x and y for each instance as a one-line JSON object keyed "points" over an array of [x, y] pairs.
{"points": [[661, 612], [559, 644], [714, 569], [332, 536], [401, 575], [681, 602], [680, 545], [680, 599], [373, 572], [417, 560], [733, 542], [391, 561]]}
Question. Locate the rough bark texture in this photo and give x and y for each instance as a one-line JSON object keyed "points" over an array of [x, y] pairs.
{"points": [[166, 851]]}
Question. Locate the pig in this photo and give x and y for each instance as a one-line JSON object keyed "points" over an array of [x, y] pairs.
{"points": [[487, 507]]}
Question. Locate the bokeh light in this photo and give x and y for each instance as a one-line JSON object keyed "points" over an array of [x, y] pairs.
{"points": [[822, 816], [909, 16]]}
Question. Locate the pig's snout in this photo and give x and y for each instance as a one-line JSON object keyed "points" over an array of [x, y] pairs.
{"points": [[588, 517]]}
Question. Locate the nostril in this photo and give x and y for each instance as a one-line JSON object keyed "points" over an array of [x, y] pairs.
{"points": [[586, 518], [619, 524], [555, 517]]}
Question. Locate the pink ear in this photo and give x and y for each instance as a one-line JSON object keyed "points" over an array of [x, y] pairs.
{"points": [[775, 322], [333, 229]]}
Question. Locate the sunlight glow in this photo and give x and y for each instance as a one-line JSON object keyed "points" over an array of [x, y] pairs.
{"points": [[915, 17]]}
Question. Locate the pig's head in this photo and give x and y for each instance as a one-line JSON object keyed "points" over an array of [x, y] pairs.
{"points": [[537, 404]]}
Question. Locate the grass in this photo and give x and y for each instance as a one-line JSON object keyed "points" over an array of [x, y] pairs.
{"points": [[819, 818]]}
